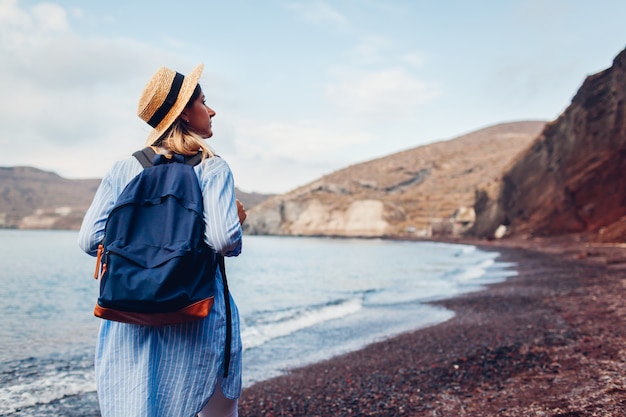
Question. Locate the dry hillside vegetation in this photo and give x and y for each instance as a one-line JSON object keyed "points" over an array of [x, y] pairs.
{"points": [[414, 190]]}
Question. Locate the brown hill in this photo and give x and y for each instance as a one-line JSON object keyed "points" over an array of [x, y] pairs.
{"points": [[34, 199], [571, 180], [419, 192], [31, 198]]}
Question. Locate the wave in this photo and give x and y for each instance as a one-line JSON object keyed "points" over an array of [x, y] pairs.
{"points": [[486, 271], [465, 250], [470, 272], [271, 325], [46, 382]]}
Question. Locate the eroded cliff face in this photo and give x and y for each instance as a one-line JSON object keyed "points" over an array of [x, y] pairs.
{"points": [[573, 177], [306, 217], [425, 191]]}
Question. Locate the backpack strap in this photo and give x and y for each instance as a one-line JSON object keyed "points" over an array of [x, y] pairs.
{"points": [[146, 155], [220, 260], [193, 160]]}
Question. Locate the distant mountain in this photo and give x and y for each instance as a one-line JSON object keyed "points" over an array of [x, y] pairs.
{"points": [[572, 179], [34, 199], [425, 191]]}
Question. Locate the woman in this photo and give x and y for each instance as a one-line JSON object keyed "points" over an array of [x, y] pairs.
{"points": [[172, 370]]}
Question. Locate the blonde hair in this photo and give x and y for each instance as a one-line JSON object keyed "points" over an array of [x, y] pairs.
{"points": [[178, 138]]}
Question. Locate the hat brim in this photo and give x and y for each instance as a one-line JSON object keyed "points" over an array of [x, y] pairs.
{"points": [[186, 91]]}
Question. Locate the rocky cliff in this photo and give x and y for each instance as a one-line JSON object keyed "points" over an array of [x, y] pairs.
{"points": [[572, 178], [425, 191]]}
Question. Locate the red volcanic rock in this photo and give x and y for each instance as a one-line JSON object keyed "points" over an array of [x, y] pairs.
{"points": [[572, 178]]}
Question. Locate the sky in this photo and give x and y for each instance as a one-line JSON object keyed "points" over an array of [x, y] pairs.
{"points": [[300, 88]]}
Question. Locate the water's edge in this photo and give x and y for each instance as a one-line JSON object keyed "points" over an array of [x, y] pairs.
{"points": [[30, 382]]}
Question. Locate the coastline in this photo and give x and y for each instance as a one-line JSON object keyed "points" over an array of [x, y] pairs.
{"points": [[546, 342]]}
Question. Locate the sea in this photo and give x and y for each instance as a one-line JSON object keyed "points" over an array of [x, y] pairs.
{"points": [[301, 300]]}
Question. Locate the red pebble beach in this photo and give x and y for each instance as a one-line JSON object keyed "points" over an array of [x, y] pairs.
{"points": [[550, 341]]}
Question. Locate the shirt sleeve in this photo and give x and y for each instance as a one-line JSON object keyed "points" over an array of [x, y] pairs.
{"points": [[92, 228], [223, 232]]}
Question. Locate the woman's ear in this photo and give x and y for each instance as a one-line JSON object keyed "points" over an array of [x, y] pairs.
{"points": [[184, 117]]}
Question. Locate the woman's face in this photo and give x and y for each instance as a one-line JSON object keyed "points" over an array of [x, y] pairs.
{"points": [[197, 115]]}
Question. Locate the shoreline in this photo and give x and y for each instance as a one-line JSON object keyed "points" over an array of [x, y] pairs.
{"points": [[546, 342]]}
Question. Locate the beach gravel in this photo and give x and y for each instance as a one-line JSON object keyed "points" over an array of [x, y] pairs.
{"points": [[550, 341]]}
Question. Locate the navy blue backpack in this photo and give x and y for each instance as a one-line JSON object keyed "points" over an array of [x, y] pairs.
{"points": [[154, 265]]}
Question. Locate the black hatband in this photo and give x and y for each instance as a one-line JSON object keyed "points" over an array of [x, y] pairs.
{"points": [[167, 105]]}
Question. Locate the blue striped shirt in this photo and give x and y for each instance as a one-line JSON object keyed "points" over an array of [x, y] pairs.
{"points": [[172, 370]]}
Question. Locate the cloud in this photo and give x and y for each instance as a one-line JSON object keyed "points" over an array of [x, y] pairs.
{"points": [[60, 92], [391, 92], [370, 49], [297, 141], [277, 175], [40, 18], [319, 12], [538, 12], [412, 59]]}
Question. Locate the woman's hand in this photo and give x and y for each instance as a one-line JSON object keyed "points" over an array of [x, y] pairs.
{"points": [[241, 212]]}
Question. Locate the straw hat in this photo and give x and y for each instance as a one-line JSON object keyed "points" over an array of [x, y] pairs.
{"points": [[164, 98]]}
